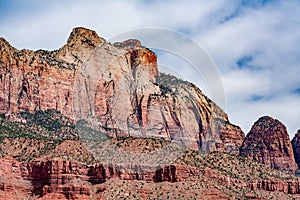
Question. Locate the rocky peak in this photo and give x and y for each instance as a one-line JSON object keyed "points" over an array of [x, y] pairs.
{"points": [[140, 56], [5, 45], [296, 147], [268, 142], [266, 122], [129, 42], [80, 44], [82, 36]]}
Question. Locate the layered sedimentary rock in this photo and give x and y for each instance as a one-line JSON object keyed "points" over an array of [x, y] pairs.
{"points": [[289, 187], [296, 147], [285, 186], [117, 89], [61, 179], [12, 184], [268, 142], [74, 180]]}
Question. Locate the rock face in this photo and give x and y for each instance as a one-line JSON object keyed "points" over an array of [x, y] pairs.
{"points": [[296, 147], [12, 184], [61, 179], [72, 180], [289, 187], [268, 142], [117, 89]]}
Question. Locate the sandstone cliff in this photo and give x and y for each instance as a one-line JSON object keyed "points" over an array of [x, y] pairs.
{"points": [[296, 147], [61, 179], [268, 142], [117, 89]]}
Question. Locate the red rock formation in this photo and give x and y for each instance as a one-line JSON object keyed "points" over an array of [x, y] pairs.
{"points": [[72, 180], [268, 142], [12, 184], [61, 179], [296, 147], [232, 138], [98, 173], [115, 89], [289, 187], [285, 186]]}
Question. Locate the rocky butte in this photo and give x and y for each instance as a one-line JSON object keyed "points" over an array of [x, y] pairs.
{"points": [[296, 147], [268, 142], [117, 89]]}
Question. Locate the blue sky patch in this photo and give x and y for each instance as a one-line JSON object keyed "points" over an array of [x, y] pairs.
{"points": [[233, 15], [255, 3], [256, 98], [297, 91], [244, 62]]}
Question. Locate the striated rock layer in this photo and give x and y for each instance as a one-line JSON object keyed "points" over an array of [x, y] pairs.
{"points": [[268, 142], [116, 88], [72, 180], [296, 147], [61, 179]]}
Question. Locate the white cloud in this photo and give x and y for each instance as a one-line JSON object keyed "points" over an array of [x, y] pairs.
{"points": [[271, 36], [283, 108], [45, 24]]}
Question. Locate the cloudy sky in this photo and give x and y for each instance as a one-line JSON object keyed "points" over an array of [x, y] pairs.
{"points": [[254, 46]]}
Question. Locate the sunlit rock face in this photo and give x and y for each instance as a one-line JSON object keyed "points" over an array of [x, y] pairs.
{"points": [[268, 142], [117, 89]]}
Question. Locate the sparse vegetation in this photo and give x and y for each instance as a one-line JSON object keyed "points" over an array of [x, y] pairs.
{"points": [[32, 136], [234, 166], [86, 133]]}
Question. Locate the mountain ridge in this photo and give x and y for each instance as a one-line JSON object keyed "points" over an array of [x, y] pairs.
{"points": [[125, 101]]}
